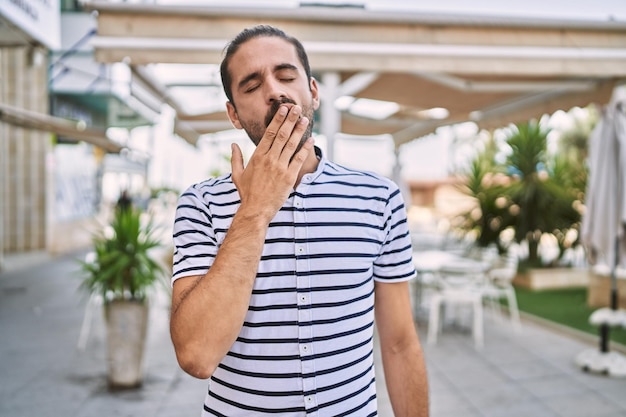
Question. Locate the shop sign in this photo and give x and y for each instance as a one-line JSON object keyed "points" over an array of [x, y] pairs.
{"points": [[40, 19]]}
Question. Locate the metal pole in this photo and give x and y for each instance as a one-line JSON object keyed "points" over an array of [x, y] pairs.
{"points": [[614, 305], [605, 330]]}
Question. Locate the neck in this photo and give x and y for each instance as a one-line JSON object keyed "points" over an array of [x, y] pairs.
{"points": [[310, 165]]}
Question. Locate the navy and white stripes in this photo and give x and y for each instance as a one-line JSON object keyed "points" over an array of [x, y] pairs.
{"points": [[306, 344]]}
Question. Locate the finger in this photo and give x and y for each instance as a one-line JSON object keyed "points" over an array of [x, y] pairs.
{"points": [[236, 162], [291, 146], [272, 129], [285, 131], [299, 157]]}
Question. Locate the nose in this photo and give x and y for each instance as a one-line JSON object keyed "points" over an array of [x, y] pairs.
{"points": [[274, 90]]}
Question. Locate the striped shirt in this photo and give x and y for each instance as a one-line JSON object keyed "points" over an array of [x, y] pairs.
{"points": [[306, 346]]}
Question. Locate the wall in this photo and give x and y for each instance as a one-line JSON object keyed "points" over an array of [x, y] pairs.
{"points": [[23, 152]]}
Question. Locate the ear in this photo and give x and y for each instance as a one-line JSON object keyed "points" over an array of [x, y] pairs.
{"points": [[315, 93], [232, 115]]}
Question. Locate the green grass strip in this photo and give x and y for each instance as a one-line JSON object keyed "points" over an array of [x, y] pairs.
{"points": [[564, 306]]}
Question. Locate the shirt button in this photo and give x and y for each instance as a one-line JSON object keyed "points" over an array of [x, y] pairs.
{"points": [[300, 249], [305, 349], [309, 399], [303, 298]]}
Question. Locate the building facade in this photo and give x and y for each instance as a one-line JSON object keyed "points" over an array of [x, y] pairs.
{"points": [[56, 106], [28, 30]]}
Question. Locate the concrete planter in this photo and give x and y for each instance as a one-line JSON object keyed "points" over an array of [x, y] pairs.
{"points": [[127, 324], [599, 294], [552, 278]]}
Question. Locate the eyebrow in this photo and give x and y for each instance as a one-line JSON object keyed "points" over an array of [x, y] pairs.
{"points": [[281, 67], [257, 74]]}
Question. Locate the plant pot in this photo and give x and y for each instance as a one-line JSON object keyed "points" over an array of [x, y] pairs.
{"points": [[552, 278], [127, 324], [599, 293]]}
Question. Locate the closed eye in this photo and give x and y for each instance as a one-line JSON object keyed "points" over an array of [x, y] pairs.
{"points": [[286, 73], [251, 88]]}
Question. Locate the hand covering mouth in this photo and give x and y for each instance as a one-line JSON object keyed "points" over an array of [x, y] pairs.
{"points": [[274, 108]]}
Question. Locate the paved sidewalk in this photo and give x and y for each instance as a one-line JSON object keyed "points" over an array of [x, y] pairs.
{"points": [[44, 373]]}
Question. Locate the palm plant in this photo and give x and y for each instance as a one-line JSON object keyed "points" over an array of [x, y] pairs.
{"points": [[491, 215], [122, 267], [544, 204], [528, 143], [532, 192], [571, 173]]}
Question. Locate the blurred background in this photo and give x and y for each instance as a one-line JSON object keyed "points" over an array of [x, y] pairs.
{"points": [[502, 122], [101, 97]]}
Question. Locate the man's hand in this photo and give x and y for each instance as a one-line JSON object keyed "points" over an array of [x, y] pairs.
{"points": [[266, 182]]}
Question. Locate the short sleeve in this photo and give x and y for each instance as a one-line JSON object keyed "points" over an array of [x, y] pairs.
{"points": [[395, 261], [195, 245]]}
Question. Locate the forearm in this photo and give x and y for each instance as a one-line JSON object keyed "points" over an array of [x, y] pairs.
{"points": [[207, 316], [406, 379]]}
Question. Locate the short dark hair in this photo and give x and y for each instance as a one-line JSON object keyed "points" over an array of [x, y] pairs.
{"points": [[251, 33]]}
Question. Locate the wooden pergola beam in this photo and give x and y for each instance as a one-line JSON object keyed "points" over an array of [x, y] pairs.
{"points": [[358, 39]]}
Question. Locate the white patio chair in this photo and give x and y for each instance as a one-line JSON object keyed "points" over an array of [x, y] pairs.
{"points": [[456, 297], [499, 285], [457, 290]]}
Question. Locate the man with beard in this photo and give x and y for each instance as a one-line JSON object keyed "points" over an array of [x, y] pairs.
{"points": [[282, 267]]}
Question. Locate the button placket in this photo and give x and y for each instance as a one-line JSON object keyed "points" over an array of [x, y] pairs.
{"points": [[303, 285]]}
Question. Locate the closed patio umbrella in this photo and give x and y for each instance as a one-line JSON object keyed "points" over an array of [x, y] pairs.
{"points": [[603, 225]]}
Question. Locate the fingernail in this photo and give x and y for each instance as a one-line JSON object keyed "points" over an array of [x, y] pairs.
{"points": [[282, 110], [304, 120]]}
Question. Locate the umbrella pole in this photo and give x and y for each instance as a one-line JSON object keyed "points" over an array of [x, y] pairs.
{"points": [[614, 300], [604, 338], [605, 328]]}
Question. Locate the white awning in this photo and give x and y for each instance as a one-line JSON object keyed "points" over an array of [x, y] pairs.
{"points": [[493, 70]]}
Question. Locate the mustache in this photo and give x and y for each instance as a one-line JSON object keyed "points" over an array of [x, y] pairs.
{"points": [[274, 108]]}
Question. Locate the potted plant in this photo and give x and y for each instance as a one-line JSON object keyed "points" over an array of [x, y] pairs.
{"points": [[545, 206], [532, 192], [121, 270]]}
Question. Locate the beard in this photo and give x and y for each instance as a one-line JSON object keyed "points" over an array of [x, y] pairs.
{"points": [[256, 130]]}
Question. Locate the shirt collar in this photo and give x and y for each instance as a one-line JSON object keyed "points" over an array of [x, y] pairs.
{"points": [[322, 161]]}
